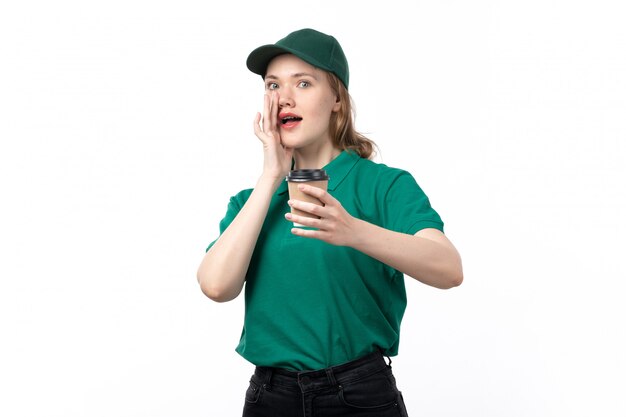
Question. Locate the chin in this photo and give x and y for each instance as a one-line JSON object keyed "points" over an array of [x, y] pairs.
{"points": [[293, 143], [296, 142]]}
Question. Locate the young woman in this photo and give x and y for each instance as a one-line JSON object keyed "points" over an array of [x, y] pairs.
{"points": [[323, 302]]}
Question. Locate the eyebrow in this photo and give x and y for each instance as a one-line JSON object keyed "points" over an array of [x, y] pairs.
{"points": [[296, 75]]}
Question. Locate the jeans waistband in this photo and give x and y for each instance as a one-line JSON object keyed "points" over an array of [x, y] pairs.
{"points": [[329, 377]]}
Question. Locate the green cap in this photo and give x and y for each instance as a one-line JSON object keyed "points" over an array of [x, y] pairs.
{"points": [[318, 49]]}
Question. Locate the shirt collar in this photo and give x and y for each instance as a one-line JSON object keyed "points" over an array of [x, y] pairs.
{"points": [[337, 170]]}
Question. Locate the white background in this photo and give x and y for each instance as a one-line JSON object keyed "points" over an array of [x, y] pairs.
{"points": [[125, 126]]}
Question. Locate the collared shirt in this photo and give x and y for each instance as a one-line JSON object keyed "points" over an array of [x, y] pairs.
{"points": [[310, 304]]}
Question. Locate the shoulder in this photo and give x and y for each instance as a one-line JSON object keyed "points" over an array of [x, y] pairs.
{"points": [[381, 174], [387, 183], [239, 199]]}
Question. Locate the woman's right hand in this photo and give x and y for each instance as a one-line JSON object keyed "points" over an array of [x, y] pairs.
{"points": [[276, 157]]}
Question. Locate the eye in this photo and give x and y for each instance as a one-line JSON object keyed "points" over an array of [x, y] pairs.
{"points": [[304, 84], [271, 86]]}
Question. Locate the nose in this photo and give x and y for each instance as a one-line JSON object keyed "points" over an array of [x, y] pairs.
{"points": [[285, 100]]}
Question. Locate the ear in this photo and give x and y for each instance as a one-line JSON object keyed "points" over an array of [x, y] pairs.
{"points": [[337, 104]]}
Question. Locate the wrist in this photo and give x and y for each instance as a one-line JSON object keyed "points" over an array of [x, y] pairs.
{"points": [[271, 181], [360, 233]]}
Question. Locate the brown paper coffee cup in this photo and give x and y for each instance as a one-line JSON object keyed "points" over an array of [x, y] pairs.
{"points": [[313, 177]]}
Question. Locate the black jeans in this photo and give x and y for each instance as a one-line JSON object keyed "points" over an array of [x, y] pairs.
{"points": [[365, 387]]}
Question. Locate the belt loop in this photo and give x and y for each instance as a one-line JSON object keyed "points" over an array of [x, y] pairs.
{"points": [[267, 380], [331, 377]]}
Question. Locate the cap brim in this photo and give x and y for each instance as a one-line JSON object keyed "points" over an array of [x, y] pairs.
{"points": [[259, 59]]}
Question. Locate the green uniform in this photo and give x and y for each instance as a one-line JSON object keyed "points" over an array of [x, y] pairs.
{"points": [[311, 305]]}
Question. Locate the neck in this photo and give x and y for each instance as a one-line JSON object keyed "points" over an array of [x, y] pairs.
{"points": [[315, 158]]}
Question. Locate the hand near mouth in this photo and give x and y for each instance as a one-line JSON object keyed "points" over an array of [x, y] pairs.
{"points": [[276, 157]]}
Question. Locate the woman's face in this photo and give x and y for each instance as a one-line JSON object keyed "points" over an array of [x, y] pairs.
{"points": [[306, 101]]}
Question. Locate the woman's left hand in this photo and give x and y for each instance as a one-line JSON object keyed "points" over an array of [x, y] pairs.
{"points": [[335, 225]]}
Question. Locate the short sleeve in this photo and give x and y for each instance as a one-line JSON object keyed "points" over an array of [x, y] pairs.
{"points": [[234, 206], [407, 208]]}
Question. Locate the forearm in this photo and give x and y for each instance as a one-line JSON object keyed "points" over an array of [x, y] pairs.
{"points": [[432, 263], [223, 269]]}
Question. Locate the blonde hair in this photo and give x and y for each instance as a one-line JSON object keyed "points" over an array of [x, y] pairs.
{"points": [[342, 131]]}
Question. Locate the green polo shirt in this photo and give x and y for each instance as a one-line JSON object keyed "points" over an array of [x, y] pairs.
{"points": [[310, 304]]}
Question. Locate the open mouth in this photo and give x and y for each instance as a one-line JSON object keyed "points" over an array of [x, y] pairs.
{"points": [[289, 119]]}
